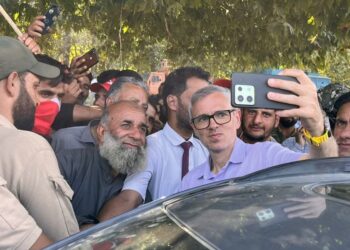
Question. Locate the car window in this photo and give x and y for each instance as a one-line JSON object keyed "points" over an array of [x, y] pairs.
{"points": [[271, 214], [338, 190], [152, 230]]}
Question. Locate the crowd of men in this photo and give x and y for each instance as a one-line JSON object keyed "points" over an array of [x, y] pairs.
{"points": [[86, 164]]}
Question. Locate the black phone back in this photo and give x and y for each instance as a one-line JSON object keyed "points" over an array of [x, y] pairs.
{"points": [[50, 17], [249, 90], [91, 58]]}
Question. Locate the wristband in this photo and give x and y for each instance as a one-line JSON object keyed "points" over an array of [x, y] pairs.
{"points": [[317, 140]]}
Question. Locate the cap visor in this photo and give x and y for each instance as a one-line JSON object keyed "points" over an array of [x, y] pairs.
{"points": [[97, 86], [44, 70]]}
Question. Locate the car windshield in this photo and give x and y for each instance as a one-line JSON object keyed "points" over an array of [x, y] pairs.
{"points": [[152, 230], [265, 215], [273, 209]]}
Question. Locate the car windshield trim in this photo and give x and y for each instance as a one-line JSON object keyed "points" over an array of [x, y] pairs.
{"points": [[186, 228]]}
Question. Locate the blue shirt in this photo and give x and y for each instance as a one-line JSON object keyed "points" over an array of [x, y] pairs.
{"points": [[91, 178], [245, 159], [73, 138], [164, 161], [81, 138], [294, 146]]}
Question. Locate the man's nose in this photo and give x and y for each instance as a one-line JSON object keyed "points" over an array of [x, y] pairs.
{"points": [[345, 133], [257, 118], [212, 123], [137, 134]]}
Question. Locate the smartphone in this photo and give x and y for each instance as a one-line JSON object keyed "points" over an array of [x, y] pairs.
{"points": [[249, 90], [50, 17], [91, 58], [274, 214], [297, 124]]}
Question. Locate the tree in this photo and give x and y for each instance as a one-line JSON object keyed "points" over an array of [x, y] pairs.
{"points": [[221, 36]]}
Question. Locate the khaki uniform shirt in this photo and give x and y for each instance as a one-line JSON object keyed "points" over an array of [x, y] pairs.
{"points": [[29, 166], [18, 230]]}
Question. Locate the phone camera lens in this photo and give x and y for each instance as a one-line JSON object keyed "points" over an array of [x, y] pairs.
{"points": [[240, 98], [249, 99], [239, 88]]}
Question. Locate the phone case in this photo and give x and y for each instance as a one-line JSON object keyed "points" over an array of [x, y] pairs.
{"points": [[275, 214], [50, 17], [250, 90], [91, 58]]}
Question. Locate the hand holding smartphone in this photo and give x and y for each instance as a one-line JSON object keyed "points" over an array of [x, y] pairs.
{"points": [[90, 58], [250, 90], [80, 65], [50, 17]]}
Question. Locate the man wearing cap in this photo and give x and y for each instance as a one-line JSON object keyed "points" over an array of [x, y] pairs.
{"points": [[100, 90], [27, 162], [102, 86], [105, 81]]}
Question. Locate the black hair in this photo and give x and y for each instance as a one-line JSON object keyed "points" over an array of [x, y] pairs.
{"points": [[154, 100], [175, 83], [51, 61]]}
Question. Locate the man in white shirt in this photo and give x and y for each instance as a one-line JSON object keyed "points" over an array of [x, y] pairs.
{"points": [[164, 151]]}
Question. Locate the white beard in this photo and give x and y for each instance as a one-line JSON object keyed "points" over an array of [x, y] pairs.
{"points": [[122, 159]]}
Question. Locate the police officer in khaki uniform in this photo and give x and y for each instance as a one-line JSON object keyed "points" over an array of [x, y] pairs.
{"points": [[27, 162]]}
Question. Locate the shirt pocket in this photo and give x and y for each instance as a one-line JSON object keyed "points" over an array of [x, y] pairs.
{"points": [[12, 213], [62, 186]]}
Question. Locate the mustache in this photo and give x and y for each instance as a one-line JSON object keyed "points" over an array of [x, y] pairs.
{"points": [[256, 126]]}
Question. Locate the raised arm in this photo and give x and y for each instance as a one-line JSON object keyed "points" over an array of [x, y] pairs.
{"points": [[309, 111]]}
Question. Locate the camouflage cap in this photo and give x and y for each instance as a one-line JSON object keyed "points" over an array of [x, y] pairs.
{"points": [[329, 95]]}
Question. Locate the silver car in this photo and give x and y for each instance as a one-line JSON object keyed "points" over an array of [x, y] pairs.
{"points": [[301, 205]]}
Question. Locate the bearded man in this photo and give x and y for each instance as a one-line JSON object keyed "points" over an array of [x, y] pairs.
{"points": [[97, 174], [258, 124], [35, 199], [173, 151]]}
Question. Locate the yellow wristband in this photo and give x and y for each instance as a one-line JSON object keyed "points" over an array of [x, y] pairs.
{"points": [[317, 140]]}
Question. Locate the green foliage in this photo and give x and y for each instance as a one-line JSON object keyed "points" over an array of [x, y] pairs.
{"points": [[221, 36]]}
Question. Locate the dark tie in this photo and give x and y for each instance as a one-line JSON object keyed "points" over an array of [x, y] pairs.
{"points": [[186, 147]]}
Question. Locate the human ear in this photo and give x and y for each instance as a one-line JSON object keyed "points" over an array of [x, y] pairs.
{"points": [[172, 102], [12, 85], [100, 131], [238, 115], [277, 121]]}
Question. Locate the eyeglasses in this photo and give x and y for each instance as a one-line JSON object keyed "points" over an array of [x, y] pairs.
{"points": [[220, 117]]}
